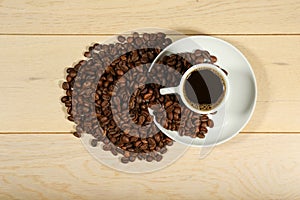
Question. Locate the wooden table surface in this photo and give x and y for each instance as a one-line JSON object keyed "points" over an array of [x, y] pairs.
{"points": [[40, 159]]}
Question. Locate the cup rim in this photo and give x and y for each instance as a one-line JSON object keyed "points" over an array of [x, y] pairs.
{"points": [[199, 66]]}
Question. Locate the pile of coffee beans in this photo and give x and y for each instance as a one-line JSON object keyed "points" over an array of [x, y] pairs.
{"points": [[96, 90]]}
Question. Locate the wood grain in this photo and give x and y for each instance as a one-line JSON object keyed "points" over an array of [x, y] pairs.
{"points": [[58, 167], [107, 17], [32, 69]]}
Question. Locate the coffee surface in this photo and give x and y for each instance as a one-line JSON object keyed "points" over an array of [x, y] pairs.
{"points": [[203, 87]]}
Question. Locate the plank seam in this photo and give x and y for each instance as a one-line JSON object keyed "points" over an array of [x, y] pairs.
{"points": [[109, 34], [244, 132]]}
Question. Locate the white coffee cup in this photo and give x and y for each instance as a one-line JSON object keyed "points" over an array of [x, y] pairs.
{"points": [[180, 88]]}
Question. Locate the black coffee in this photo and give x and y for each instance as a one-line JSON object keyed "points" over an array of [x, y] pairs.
{"points": [[204, 89]]}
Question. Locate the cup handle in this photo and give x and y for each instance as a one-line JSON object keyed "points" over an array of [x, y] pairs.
{"points": [[169, 90]]}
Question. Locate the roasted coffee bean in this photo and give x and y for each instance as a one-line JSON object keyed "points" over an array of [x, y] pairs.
{"points": [[121, 38], [125, 139], [94, 142], [73, 73], [71, 118], [163, 150], [204, 118], [65, 85], [151, 142], [124, 160], [127, 154], [120, 72], [64, 99], [200, 135], [135, 34], [158, 158], [106, 147], [69, 93], [203, 130], [130, 40], [213, 59], [168, 103], [121, 151], [76, 134], [114, 151], [149, 158], [138, 41], [132, 158], [87, 54], [210, 123], [147, 96], [157, 137]]}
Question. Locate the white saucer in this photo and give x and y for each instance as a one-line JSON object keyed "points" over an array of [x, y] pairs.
{"points": [[236, 113]]}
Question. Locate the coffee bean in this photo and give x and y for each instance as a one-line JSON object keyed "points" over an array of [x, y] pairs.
{"points": [[69, 93], [140, 156], [204, 124], [147, 96], [65, 85], [113, 151], [132, 158], [138, 41], [141, 120], [177, 110], [94, 142], [120, 72], [146, 36], [106, 147], [161, 35], [201, 135], [125, 139], [130, 39], [121, 38], [157, 137], [210, 123], [73, 73], [138, 143], [70, 118], [76, 134], [64, 99], [151, 142], [135, 34], [87, 54], [124, 160], [127, 154], [106, 97], [158, 158], [203, 130], [149, 158], [213, 59], [121, 151], [204, 118], [153, 36], [163, 150], [168, 103]]}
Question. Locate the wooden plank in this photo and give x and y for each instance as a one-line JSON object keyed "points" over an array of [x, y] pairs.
{"points": [[32, 69], [58, 167], [110, 17]]}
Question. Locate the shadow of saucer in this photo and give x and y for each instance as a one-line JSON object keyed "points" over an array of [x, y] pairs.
{"points": [[261, 77]]}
